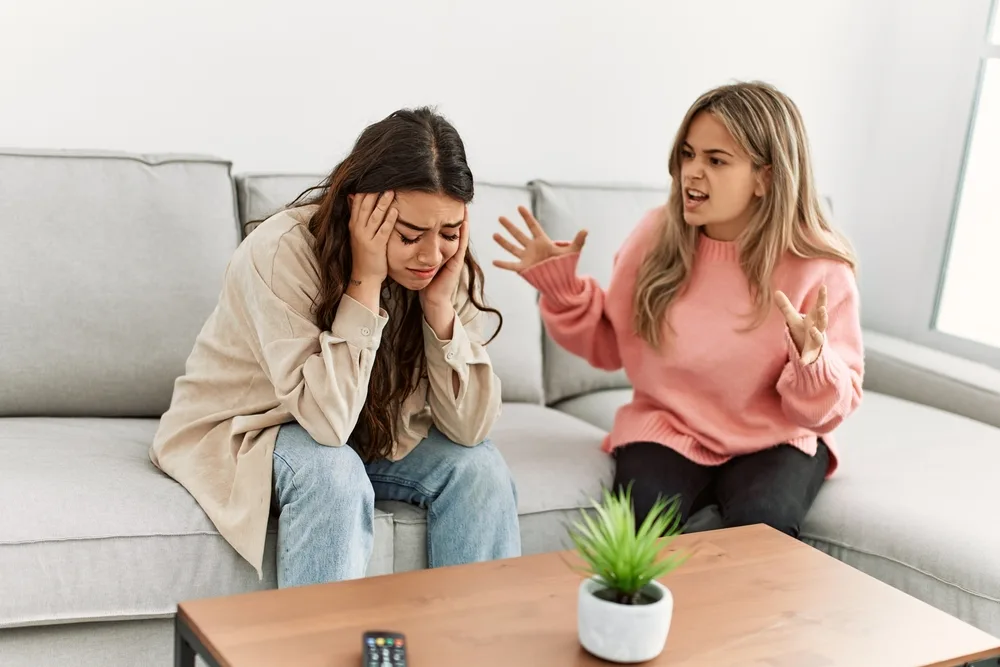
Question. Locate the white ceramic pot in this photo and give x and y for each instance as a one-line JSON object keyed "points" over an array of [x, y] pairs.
{"points": [[620, 632]]}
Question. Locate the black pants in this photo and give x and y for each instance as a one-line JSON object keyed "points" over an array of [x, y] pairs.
{"points": [[776, 486]]}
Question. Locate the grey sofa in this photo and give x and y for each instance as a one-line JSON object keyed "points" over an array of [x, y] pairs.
{"points": [[111, 262]]}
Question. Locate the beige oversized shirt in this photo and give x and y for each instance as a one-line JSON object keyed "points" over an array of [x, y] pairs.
{"points": [[261, 361]]}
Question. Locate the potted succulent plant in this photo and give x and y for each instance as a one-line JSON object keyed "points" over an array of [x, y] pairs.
{"points": [[623, 612]]}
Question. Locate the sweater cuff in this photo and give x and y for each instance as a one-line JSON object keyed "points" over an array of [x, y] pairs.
{"points": [[815, 376], [556, 278], [357, 325]]}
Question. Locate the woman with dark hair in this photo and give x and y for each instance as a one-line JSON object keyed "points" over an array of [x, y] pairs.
{"points": [[346, 363]]}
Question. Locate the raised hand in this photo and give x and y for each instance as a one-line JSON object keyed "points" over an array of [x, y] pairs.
{"points": [[529, 251], [808, 330]]}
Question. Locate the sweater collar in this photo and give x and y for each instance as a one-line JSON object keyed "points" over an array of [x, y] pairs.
{"points": [[726, 251]]}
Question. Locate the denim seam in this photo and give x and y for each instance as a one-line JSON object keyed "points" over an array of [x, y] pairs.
{"points": [[401, 481], [282, 510]]}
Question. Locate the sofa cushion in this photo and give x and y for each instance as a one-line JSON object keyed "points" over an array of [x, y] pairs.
{"points": [[517, 352], [91, 530], [608, 213], [597, 408], [112, 263], [914, 504], [558, 466], [261, 195]]}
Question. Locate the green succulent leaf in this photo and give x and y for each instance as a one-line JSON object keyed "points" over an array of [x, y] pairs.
{"points": [[623, 557]]}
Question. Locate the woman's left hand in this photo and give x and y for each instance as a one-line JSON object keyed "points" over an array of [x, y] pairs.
{"points": [[809, 330], [436, 299]]}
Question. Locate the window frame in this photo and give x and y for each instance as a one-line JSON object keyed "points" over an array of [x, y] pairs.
{"points": [[930, 296]]}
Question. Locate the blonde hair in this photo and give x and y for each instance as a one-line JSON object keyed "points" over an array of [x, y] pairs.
{"points": [[767, 125]]}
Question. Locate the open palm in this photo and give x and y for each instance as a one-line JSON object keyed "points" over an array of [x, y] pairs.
{"points": [[808, 331], [529, 251]]}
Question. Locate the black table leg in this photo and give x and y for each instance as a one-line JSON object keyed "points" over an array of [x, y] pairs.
{"points": [[183, 651], [187, 646]]}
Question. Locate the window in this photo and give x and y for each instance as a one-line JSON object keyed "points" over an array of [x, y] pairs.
{"points": [[969, 303]]}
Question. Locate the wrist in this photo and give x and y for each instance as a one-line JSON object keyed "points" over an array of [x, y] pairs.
{"points": [[366, 291], [440, 318]]}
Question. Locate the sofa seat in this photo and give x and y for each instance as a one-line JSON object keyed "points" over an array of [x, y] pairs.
{"points": [[557, 465], [92, 531], [143, 544], [913, 504]]}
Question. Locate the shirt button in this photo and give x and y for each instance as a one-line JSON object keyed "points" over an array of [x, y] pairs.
{"points": [[450, 355], [365, 331]]}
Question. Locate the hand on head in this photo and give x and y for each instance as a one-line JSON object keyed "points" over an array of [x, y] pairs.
{"points": [[372, 220], [537, 248], [440, 291]]}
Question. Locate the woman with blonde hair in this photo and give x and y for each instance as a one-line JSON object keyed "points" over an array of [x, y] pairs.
{"points": [[734, 311]]}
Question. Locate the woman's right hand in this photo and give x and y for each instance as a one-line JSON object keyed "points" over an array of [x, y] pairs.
{"points": [[536, 249], [372, 220]]}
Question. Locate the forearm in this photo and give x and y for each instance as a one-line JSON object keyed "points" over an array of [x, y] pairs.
{"points": [[441, 320], [365, 291], [572, 309]]}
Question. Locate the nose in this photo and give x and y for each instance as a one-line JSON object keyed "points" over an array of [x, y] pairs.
{"points": [[694, 171], [429, 253]]}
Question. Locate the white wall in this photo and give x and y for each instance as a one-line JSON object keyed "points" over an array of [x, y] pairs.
{"points": [[565, 90], [578, 90]]}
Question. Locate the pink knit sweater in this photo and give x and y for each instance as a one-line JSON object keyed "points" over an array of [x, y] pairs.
{"points": [[712, 392]]}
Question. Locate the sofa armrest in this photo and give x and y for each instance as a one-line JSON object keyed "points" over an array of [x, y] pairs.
{"points": [[916, 373]]}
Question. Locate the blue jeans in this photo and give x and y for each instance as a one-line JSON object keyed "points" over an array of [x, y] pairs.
{"points": [[326, 502]]}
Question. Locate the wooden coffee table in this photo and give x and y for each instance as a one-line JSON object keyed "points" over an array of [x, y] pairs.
{"points": [[749, 596]]}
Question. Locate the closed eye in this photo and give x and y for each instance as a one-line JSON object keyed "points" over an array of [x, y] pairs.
{"points": [[408, 241], [450, 237]]}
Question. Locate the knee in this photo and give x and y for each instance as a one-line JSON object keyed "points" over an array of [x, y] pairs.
{"points": [[778, 513], [303, 466], [482, 471]]}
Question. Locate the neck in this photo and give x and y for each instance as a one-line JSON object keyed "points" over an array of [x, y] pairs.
{"points": [[725, 231]]}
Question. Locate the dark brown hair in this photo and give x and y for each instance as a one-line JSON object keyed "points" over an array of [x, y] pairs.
{"points": [[415, 150]]}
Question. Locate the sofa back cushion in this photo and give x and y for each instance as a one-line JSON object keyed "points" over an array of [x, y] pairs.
{"points": [[516, 352], [609, 213], [111, 263]]}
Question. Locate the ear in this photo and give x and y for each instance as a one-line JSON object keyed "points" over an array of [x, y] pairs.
{"points": [[763, 181], [350, 200]]}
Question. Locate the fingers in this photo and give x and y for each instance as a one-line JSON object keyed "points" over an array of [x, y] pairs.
{"points": [[792, 316], [581, 238], [365, 208], [507, 266], [822, 319], [533, 226], [355, 202], [463, 239], [386, 226], [508, 246], [821, 299], [518, 235], [377, 216], [817, 336]]}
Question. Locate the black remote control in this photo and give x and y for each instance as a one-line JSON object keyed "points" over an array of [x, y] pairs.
{"points": [[381, 648]]}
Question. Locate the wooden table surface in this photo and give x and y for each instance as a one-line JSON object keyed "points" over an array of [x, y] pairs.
{"points": [[751, 597]]}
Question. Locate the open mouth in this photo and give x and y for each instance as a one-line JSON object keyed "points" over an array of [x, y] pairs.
{"points": [[694, 198]]}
